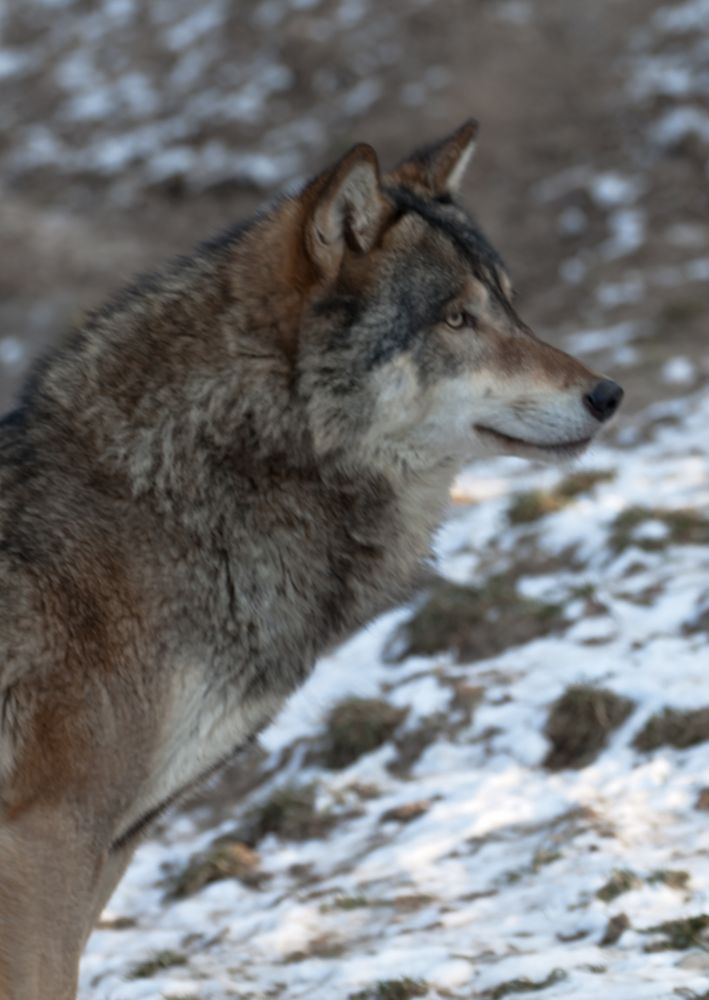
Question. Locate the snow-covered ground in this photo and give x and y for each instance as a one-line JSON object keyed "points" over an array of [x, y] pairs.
{"points": [[489, 883]]}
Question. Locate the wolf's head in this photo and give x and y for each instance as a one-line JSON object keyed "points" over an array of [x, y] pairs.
{"points": [[408, 348]]}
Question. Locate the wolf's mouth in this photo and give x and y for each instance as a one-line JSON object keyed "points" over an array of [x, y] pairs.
{"points": [[519, 444]]}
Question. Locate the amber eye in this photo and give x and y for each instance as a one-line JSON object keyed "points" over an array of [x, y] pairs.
{"points": [[458, 318]]}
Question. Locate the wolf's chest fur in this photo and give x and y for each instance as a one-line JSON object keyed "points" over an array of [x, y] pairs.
{"points": [[303, 568]]}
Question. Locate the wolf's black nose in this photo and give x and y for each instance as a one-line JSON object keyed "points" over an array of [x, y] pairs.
{"points": [[604, 399]]}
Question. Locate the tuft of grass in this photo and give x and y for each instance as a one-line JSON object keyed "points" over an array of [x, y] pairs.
{"points": [[699, 624], [410, 902], [161, 960], [544, 856], [580, 723], [392, 989], [226, 858], [290, 813], [355, 727], [406, 813], [349, 903], [621, 880], [365, 791], [672, 878], [116, 923], [523, 985], [674, 729], [680, 934], [406, 903], [474, 622], [530, 505], [323, 946], [465, 698], [616, 927], [583, 481], [412, 743], [684, 527]]}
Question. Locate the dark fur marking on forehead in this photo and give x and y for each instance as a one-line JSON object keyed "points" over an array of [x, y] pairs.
{"points": [[484, 260], [418, 301]]}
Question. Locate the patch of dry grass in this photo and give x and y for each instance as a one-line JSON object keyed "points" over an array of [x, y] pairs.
{"points": [[531, 505], [353, 728], [615, 929], [346, 903], [580, 723], [324, 946], [673, 878], [684, 527], [290, 813], [392, 989], [699, 624], [406, 813], [412, 743], [672, 728], [474, 622], [679, 935], [622, 880], [523, 985], [161, 960], [226, 858]]}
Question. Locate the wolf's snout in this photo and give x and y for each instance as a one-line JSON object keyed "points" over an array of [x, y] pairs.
{"points": [[604, 399]]}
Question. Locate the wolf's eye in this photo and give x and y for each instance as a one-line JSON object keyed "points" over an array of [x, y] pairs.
{"points": [[458, 318]]}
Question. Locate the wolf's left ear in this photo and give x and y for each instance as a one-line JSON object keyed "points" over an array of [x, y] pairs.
{"points": [[439, 169], [349, 210]]}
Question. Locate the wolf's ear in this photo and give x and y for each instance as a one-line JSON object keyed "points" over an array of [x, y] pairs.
{"points": [[439, 169], [349, 210]]}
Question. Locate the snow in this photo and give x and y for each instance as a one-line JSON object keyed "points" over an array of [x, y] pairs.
{"points": [[611, 189], [12, 63], [692, 14], [680, 122], [588, 341], [12, 351], [679, 371]]}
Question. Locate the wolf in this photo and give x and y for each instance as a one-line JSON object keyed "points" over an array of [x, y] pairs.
{"points": [[222, 474]]}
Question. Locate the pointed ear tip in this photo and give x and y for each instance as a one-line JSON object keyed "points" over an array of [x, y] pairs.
{"points": [[469, 129], [361, 152]]}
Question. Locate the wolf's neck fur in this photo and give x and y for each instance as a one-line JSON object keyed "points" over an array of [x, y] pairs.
{"points": [[180, 395]]}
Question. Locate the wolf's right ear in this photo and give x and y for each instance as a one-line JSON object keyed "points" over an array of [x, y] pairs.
{"points": [[439, 169], [349, 210]]}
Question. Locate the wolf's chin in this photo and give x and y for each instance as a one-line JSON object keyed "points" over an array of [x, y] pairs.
{"points": [[508, 445]]}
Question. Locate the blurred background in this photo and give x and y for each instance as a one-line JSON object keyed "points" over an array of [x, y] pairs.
{"points": [[502, 788], [131, 130]]}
